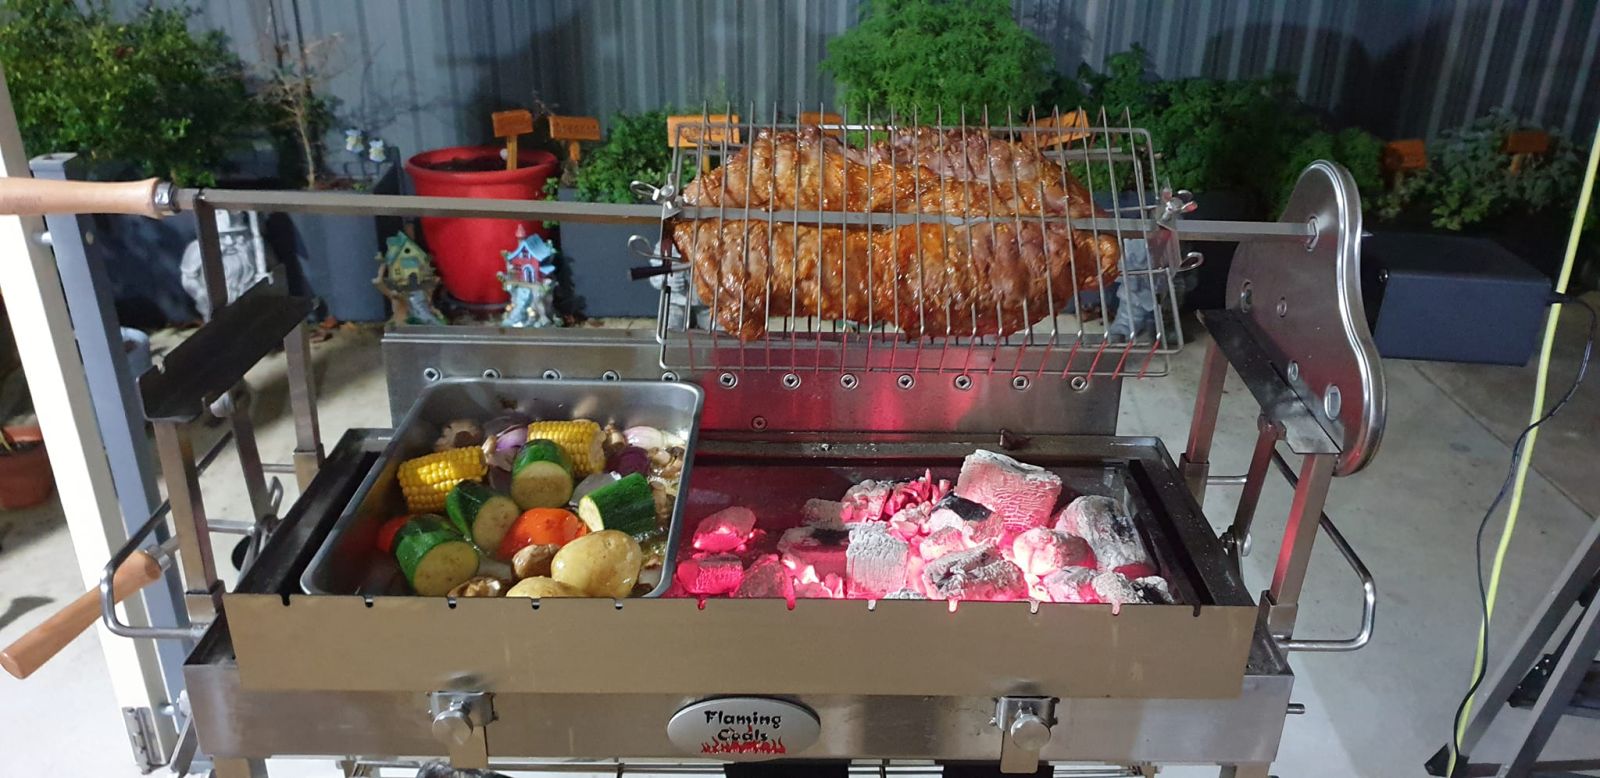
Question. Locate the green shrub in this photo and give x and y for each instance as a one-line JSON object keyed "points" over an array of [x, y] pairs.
{"points": [[1469, 181], [933, 56], [144, 91], [1253, 136], [635, 150]]}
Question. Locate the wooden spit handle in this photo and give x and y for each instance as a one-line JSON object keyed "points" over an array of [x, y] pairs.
{"points": [[26, 196], [41, 643]]}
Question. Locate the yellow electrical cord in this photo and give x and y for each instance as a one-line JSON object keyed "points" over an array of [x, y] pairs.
{"points": [[1537, 413]]}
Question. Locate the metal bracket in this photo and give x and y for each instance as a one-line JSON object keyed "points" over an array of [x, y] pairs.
{"points": [[141, 724], [459, 720], [1025, 725]]}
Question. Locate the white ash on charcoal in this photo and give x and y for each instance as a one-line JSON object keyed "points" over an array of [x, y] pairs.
{"points": [[1117, 589], [726, 530], [1021, 495], [909, 522], [1154, 589], [829, 587], [1069, 584], [905, 594], [708, 575], [864, 501], [975, 574], [875, 560], [1110, 532], [944, 540], [769, 578], [814, 553], [1041, 551]]}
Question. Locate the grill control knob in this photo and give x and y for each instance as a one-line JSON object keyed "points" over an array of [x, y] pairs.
{"points": [[453, 726], [1028, 732]]}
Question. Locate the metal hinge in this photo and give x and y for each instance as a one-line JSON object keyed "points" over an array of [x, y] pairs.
{"points": [[141, 724]]}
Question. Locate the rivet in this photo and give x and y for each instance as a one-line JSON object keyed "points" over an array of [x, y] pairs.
{"points": [[963, 382], [669, 376], [1019, 382], [1283, 307], [431, 374], [791, 381], [1244, 297], [758, 423], [552, 375], [491, 374], [728, 380], [1294, 371], [905, 381], [1331, 402], [1078, 383], [849, 381], [610, 375]]}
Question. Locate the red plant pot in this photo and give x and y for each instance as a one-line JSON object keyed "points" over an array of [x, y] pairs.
{"points": [[466, 252], [25, 478]]}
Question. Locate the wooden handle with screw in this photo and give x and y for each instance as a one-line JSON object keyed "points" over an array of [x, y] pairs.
{"points": [[24, 196], [32, 650]]}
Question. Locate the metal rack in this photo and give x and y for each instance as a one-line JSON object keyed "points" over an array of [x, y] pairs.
{"points": [[1206, 682]]}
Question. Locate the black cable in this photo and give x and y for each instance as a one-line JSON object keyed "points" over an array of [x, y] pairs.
{"points": [[1516, 459]]}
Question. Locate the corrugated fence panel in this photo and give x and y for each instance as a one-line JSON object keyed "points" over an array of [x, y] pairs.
{"points": [[426, 73]]}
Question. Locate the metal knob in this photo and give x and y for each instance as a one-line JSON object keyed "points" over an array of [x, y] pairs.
{"points": [[452, 726], [1029, 732]]}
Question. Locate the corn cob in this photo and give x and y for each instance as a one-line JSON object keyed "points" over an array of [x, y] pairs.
{"points": [[582, 441], [427, 479]]}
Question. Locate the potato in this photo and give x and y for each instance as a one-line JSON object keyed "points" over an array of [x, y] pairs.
{"points": [[480, 586], [540, 586], [534, 560], [600, 564]]}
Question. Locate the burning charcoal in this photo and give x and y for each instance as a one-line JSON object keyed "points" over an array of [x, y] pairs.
{"points": [[1153, 589], [725, 530], [942, 541], [823, 513], [908, 522], [904, 594], [767, 578], [1115, 588], [875, 561], [1021, 495], [1041, 551], [814, 553], [976, 574], [830, 587], [865, 501], [977, 523], [1069, 584], [710, 574], [1091, 509], [1110, 533]]}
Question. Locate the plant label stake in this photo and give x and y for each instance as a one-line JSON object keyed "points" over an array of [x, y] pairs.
{"points": [[706, 132], [815, 119], [1403, 155], [1066, 122], [573, 129], [509, 125], [1524, 143]]}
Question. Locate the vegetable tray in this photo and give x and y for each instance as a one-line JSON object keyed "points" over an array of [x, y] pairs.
{"points": [[349, 560]]}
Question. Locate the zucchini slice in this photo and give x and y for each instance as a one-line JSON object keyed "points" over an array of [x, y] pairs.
{"points": [[434, 558], [541, 476], [481, 514], [626, 506]]}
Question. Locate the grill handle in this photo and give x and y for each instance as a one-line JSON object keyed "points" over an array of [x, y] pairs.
{"points": [[1369, 589], [25, 196], [43, 642]]}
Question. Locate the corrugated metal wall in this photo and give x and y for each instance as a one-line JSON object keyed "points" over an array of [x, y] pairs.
{"points": [[426, 73]]}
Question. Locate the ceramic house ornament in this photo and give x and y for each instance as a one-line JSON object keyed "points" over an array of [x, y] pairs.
{"points": [[407, 278], [529, 279]]}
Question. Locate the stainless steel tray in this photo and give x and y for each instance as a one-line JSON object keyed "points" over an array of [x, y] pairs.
{"points": [[348, 561]]}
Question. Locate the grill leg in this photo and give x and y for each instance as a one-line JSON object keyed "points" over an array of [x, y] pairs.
{"points": [[1245, 771], [787, 769], [238, 768], [1196, 461]]}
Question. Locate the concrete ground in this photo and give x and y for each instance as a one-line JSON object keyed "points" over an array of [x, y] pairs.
{"points": [[1377, 712]]}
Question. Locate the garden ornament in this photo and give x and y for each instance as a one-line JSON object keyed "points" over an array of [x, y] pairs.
{"points": [[529, 279], [406, 277]]}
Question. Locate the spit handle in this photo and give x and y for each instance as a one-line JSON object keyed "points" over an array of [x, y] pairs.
{"points": [[43, 642], [1369, 589], [27, 196]]}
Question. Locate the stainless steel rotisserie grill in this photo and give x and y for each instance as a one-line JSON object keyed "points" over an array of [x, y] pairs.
{"points": [[801, 398]]}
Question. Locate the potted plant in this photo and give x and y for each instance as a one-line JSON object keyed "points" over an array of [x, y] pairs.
{"points": [[1470, 186], [597, 255], [466, 251], [334, 254], [134, 97], [25, 479]]}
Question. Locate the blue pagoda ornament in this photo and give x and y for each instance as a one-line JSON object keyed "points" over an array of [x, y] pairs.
{"points": [[529, 279]]}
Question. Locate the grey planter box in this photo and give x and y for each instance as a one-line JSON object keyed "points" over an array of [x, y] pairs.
{"points": [[336, 254], [597, 260]]}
